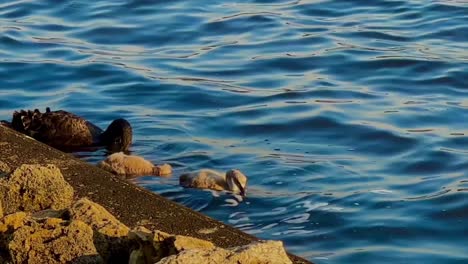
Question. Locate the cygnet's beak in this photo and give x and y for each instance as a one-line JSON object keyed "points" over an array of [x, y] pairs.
{"points": [[241, 188], [242, 192]]}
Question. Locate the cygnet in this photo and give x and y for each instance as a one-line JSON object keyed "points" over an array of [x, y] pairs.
{"points": [[132, 165], [233, 180]]}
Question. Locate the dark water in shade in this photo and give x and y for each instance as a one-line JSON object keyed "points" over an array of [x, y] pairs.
{"points": [[349, 117]]}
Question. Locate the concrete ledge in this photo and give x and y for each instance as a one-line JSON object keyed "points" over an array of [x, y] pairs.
{"points": [[131, 204]]}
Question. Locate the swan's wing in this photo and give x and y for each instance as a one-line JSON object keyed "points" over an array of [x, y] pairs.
{"points": [[62, 129]]}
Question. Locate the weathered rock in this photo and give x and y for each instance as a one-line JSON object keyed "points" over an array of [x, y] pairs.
{"points": [[13, 221], [138, 257], [145, 251], [53, 241], [4, 259], [4, 168], [260, 252], [8, 225], [33, 188], [98, 218], [50, 213], [153, 246], [181, 243], [110, 235], [216, 255], [267, 252]]}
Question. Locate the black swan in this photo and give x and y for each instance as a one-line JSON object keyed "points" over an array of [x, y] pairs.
{"points": [[68, 131]]}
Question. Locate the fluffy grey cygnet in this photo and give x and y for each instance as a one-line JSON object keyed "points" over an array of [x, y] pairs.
{"points": [[233, 180], [132, 165]]}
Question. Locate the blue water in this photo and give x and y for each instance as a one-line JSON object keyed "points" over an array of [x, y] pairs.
{"points": [[349, 117]]}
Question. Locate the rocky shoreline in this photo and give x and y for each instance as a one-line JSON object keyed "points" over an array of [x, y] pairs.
{"points": [[42, 222], [51, 213]]}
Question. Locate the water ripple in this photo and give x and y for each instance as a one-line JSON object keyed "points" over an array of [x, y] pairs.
{"points": [[347, 116]]}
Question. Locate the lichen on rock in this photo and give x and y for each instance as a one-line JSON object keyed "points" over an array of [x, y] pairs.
{"points": [[33, 188]]}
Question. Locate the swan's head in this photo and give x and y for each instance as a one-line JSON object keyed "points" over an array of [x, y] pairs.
{"points": [[236, 181], [118, 135]]}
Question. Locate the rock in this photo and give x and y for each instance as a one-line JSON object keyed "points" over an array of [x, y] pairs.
{"points": [[13, 221], [160, 236], [98, 218], [9, 224], [216, 255], [181, 243], [110, 235], [260, 252], [53, 241], [174, 244], [4, 168], [145, 251], [138, 257], [39, 224], [153, 246], [4, 259], [267, 252], [49, 213], [33, 188]]}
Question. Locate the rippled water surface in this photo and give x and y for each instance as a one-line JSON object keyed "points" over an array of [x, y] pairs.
{"points": [[349, 117]]}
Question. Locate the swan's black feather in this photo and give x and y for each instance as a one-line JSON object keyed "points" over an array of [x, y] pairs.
{"points": [[63, 129]]}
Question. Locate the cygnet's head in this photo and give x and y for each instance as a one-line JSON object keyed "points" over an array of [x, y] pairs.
{"points": [[162, 170], [236, 181]]}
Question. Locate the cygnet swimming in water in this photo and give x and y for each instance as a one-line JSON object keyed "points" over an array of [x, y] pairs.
{"points": [[131, 165], [233, 180], [68, 131]]}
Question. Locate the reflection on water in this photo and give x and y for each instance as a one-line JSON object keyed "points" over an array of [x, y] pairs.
{"points": [[348, 117]]}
